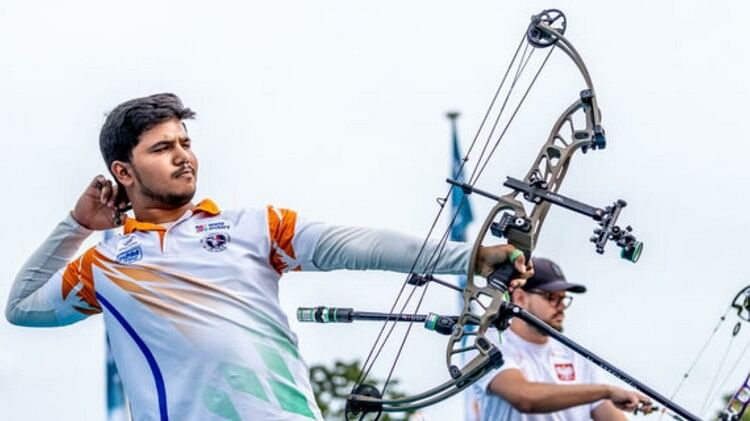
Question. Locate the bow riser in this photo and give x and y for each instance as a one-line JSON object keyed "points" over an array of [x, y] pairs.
{"points": [[552, 163], [480, 294]]}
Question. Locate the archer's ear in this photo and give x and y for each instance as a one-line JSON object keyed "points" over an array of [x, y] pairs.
{"points": [[122, 172]]}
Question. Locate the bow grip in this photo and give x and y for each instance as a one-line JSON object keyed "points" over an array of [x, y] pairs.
{"points": [[505, 272]]}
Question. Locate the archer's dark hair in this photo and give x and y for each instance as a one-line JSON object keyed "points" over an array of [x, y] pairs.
{"points": [[126, 123]]}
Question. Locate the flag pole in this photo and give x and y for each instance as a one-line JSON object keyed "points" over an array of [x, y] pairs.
{"points": [[461, 209]]}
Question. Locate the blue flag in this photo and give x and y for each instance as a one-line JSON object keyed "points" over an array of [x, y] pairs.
{"points": [[459, 202]]}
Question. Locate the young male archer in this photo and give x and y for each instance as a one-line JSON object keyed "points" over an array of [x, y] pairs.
{"points": [[189, 291]]}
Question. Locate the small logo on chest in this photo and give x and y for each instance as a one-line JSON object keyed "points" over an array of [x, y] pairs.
{"points": [[566, 372], [211, 226], [215, 242], [128, 250], [130, 255]]}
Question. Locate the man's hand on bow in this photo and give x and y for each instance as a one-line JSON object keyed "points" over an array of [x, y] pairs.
{"points": [[490, 257]]}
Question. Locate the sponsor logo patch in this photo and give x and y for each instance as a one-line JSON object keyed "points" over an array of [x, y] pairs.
{"points": [[211, 226], [130, 255], [215, 242], [565, 372]]}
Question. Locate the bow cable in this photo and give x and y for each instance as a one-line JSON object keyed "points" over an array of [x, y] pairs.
{"points": [[476, 173]]}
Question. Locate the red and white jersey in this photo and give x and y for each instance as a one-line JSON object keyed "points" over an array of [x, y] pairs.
{"points": [[193, 316]]}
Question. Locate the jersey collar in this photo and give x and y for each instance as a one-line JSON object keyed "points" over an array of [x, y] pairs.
{"points": [[206, 206]]}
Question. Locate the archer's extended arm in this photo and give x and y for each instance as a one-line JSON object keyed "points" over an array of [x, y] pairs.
{"points": [[357, 248]]}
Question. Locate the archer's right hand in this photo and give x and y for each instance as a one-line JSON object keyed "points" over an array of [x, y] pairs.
{"points": [[95, 208], [630, 401]]}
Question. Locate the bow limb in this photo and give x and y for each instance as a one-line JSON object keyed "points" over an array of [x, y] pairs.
{"points": [[473, 371]]}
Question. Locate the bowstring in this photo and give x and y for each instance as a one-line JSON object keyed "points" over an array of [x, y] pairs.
{"points": [[370, 360], [521, 65], [478, 170], [510, 120], [437, 252], [476, 173]]}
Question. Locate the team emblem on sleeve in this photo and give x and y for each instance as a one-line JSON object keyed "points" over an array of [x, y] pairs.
{"points": [[215, 242]]}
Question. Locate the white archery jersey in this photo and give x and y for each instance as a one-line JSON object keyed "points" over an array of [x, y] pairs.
{"points": [[548, 363], [192, 307]]}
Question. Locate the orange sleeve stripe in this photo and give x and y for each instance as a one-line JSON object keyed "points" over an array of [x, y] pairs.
{"points": [[281, 231], [80, 272], [286, 233]]}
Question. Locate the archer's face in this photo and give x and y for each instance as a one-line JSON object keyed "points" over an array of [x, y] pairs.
{"points": [[547, 308], [164, 167]]}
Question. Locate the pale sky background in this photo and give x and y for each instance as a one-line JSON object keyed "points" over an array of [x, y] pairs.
{"points": [[336, 109]]}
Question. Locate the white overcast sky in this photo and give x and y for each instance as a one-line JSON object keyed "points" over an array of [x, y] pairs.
{"points": [[336, 109]]}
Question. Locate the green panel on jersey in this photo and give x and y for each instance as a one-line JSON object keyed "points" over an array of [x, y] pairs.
{"points": [[287, 346], [274, 332], [218, 402], [274, 361], [290, 399], [244, 380]]}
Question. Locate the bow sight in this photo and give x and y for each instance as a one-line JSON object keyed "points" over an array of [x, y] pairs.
{"points": [[537, 192]]}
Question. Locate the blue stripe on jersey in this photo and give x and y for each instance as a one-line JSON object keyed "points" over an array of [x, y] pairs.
{"points": [[158, 379]]}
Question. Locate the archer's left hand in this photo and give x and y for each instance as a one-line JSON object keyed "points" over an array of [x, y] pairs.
{"points": [[490, 257]]}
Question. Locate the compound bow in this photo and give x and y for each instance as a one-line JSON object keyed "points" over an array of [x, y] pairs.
{"points": [[486, 303]]}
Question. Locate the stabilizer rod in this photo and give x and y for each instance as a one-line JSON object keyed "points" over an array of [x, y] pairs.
{"points": [[324, 314], [432, 321]]}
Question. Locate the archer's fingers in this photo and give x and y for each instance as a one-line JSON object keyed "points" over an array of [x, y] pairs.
{"points": [[516, 283], [633, 404], [526, 270], [644, 406], [107, 191], [113, 195], [97, 183]]}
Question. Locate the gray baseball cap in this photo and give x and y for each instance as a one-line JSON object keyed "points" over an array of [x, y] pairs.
{"points": [[549, 277]]}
